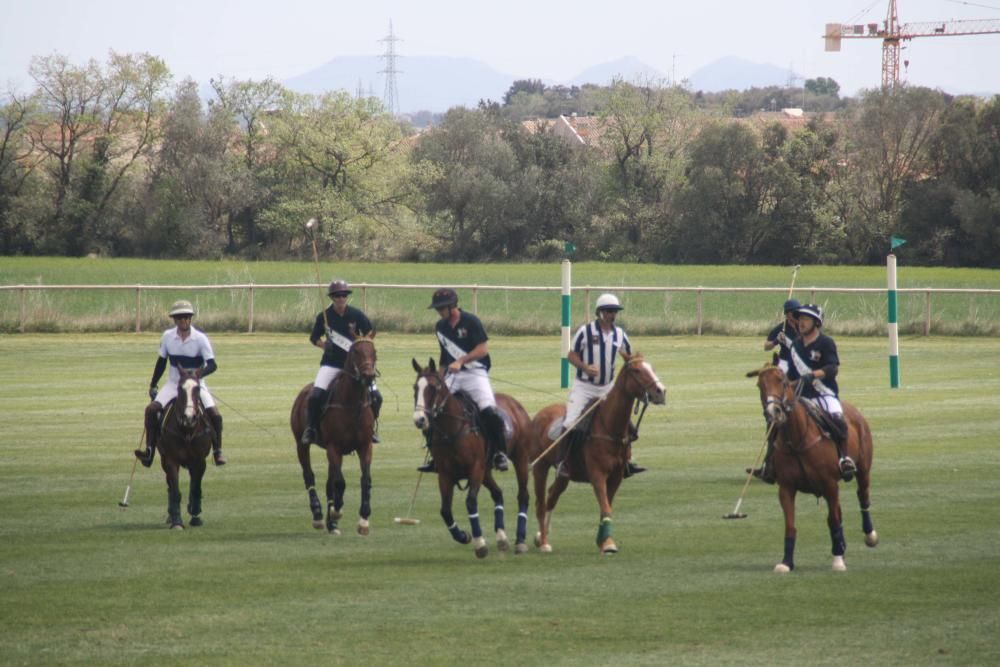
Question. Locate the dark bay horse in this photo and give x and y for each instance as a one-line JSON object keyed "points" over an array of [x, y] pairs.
{"points": [[184, 442], [805, 459], [602, 457], [346, 425], [459, 451]]}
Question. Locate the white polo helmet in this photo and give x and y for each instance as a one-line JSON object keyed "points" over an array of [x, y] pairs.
{"points": [[608, 302], [181, 307]]}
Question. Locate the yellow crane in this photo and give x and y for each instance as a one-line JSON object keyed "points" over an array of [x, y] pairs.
{"points": [[892, 33]]}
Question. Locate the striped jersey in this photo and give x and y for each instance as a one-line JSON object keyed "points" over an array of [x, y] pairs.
{"points": [[189, 354], [343, 329], [600, 349], [456, 341]]}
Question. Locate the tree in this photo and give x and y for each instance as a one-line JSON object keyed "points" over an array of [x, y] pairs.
{"points": [[17, 163], [822, 86]]}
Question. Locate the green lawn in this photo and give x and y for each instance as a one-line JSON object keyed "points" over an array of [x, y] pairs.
{"points": [[86, 583], [400, 310]]}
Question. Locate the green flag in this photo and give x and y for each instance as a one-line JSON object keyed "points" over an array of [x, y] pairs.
{"points": [[896, 241], [570, 248]]}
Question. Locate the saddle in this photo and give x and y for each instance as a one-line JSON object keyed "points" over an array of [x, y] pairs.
{"points": [[475, 417], [827, 426]]}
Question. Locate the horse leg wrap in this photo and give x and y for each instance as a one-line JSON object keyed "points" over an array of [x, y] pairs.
{"points": [[866, 520], [498, 523], [522, 522], [837, 538], [604, 532], [789, 558], [458, 534]]}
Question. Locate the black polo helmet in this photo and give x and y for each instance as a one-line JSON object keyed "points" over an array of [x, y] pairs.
{"points": [[338, 286], [443, 297], [813, 311], [792, 305]]}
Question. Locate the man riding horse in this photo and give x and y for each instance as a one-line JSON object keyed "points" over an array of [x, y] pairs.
{"points": [[465, 356], [184, 347], [782, 337], [340, 323]]}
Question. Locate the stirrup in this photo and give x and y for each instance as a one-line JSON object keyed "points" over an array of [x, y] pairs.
{"points": [[218, 457], [500, 462], [562, 470], [427, 467], [375, 438]]}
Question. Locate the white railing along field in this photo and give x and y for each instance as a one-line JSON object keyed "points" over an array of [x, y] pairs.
{"points": [[585, 290]]}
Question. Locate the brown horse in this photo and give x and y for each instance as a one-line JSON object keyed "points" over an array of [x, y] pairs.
{"points": [[602, 457], [347, 425], [184, 442], [459, 450], [805, 459]]}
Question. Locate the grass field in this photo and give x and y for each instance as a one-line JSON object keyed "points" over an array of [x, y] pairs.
{"points": [[86, 583], [521, 313]]}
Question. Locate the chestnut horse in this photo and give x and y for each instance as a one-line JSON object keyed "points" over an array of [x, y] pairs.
{"points": [[460, 452], [346, 426], [603, 455], [184, 442], [805, 459]]}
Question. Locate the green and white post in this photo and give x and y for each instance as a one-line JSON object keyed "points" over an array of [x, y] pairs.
{"points": [[567, 302], [890, 268]]}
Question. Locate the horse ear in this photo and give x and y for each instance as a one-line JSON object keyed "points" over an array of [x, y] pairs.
{"points": [[416, 366], [431, 366], [371, 335]]}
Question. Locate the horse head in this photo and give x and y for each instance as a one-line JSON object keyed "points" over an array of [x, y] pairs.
{"points": [[430, 395], [641, 381], [776, 395], [188, 402], [360, 362]]}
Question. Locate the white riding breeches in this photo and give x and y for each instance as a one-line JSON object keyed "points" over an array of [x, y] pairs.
{"points": [[580, 394], [325, 376], [475, 382], [829, 404], [783, 365], [169, 393]]}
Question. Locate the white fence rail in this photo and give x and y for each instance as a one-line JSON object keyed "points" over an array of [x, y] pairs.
{"points": [[586, 290]]}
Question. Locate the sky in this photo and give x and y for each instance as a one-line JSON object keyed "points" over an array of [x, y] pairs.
{"points": [[253, 39]]}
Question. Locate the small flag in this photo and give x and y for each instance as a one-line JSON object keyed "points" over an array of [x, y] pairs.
{"points": [[570, 248], [896, 241]]}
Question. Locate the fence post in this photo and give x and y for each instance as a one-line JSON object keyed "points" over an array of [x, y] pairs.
{"points": [[250, 324], [927, 313], [699, 312], [138, 305], [475, 299], [23, 310]]}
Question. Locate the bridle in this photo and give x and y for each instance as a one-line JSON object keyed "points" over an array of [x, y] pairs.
{"points": [[441, 396], [629, 368], [353, 370], [783, 403]]}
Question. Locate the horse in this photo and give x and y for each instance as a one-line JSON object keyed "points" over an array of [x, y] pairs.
{"points": [[346, 426], [460, 452], [603, 455], [184, 442], [805, 459]]}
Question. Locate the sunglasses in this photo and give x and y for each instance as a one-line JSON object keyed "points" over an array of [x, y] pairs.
{"points": [[340, 295]]}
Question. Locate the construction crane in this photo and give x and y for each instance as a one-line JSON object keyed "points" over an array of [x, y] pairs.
{"points": [[892, 33]]}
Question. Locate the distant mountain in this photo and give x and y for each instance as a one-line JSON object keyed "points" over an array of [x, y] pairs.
{"points": [[732, 73], [434, 83], [629, 68]]}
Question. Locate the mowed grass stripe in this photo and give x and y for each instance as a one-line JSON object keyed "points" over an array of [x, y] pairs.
{"points": [[85, 583]]}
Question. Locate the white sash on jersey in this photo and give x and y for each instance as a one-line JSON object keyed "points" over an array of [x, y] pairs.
{"points": [[343, 342], [455, 351]]}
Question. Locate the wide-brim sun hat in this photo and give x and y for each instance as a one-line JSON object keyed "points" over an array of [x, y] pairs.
{"points": [[181, 307]]}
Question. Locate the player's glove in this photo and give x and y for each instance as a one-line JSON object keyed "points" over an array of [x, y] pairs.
{"points": [[152, 392], [807, 377]]}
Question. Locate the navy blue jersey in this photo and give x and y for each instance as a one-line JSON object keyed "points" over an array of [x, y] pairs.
{"points": [[600, 349], [343, 329], [821, 353], [785, 352], [456, 341]]}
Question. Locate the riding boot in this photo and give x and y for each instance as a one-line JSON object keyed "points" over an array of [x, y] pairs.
{"points": [[428, 466], [765, 472], [493, 423], [152, 419], [314, 407], [630, 467], [376, 397], [216, 419], [563, 451], [847, 465]]}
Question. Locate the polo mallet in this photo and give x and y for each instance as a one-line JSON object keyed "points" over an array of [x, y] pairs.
{"points": [[566, 432], [408, 520], [311, 225], [736, 514], [128, 489], [795, 272]]}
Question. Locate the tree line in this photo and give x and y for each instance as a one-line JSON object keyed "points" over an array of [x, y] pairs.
{"points": [[116, 159]]}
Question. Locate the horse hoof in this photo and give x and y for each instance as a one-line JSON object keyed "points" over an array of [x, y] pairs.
{"points": [[781, 568], [520, 548], [318, 524], [545, 548], [871, 539], [480, 546], [503, 544], [177, 526], [838, 564], [609, 547], [196, 521], [538, 539], [336, 515], [362, 526], [334, 531]]}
